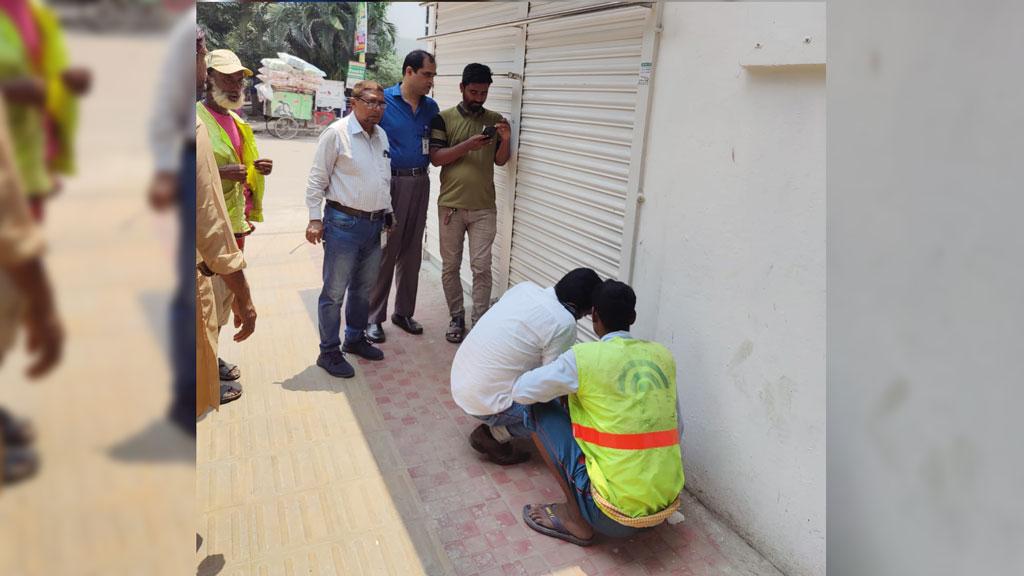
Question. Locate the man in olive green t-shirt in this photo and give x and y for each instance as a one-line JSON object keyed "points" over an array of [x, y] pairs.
{"points": [[467, 141]]}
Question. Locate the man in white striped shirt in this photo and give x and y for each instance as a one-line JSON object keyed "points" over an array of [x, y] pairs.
{"points": [[352, 173]]}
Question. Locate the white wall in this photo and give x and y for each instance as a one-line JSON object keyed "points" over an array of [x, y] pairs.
{"points": [[925, 308], [730, 265]]}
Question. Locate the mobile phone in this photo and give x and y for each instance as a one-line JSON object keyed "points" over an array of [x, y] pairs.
{"points": [[489, 131]]}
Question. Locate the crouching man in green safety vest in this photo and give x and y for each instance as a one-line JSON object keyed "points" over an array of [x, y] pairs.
{"points": [[615, 453]]}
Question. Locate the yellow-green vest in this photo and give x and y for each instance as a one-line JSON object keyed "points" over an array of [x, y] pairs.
{"points": [[27, 122], [225, 154], [624, 419]]}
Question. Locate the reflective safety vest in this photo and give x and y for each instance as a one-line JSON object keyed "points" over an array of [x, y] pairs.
{"points": [[624, 419], [224, 152], [27, 123]]}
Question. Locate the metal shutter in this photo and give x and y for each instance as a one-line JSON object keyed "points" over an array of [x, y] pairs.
{"points": [[501, 49], [545, 7], [580, 101], [456, 16]]}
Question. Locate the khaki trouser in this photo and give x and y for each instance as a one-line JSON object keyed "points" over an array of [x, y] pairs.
{"points": [[481, 226], [10, 313], [207, 330]]}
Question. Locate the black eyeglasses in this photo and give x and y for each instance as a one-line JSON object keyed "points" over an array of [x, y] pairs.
{"points": [[371, 103]]}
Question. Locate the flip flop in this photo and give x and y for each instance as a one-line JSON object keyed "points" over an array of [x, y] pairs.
{"points": [[229, 393], [228, 372], [559, 531]]}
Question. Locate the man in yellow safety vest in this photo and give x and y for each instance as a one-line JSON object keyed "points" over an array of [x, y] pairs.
{"points": [[615, 451]]}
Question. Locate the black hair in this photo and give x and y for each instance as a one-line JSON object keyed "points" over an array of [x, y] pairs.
{"points": [[577, 288], [476, 74], [416, 59], [615, 304]]}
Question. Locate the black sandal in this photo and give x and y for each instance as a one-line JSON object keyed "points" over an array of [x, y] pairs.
{"points": [[456, 330], [228, 372], [229, 393]]}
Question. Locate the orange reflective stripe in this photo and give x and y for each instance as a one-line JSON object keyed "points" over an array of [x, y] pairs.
{"points": [[642, 441]]}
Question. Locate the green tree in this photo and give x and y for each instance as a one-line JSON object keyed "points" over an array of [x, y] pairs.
{"points": [[387, 70], [321, 33]]}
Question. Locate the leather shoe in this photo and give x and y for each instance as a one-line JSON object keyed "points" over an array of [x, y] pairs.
{"points": [[375, 333], [363, 349], [407, 323], [505, 454]]}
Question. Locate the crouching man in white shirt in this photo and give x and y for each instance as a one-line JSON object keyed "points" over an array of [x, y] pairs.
{"points": [[529, 327]]}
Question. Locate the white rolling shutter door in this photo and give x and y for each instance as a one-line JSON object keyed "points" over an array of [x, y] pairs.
{"points": [[579, 105], [500, 49], [545, 7], [456, 16]]}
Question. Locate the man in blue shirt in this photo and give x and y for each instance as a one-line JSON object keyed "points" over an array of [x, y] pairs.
{"points": [[406, 121]]}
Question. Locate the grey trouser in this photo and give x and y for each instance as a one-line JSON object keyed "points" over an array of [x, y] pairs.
{"points": [[410, 196], [481, 226]]}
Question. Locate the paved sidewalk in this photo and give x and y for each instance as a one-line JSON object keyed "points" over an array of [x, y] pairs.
{"points": [[308, 474]]}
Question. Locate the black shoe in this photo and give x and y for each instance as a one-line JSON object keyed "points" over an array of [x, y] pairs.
{"points": [[406, 323], [363, 349], [456, 330], [335, 364], [375, 333], [505, 454]]}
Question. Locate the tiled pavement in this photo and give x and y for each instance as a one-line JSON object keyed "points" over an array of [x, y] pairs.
{"points": [[308, 474]]}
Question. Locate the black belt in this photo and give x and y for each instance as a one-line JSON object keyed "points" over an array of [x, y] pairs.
{"points": [[410, 171], [378, 215]]}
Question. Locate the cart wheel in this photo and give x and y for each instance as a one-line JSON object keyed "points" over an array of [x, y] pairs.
{"points": [[284, 128]]}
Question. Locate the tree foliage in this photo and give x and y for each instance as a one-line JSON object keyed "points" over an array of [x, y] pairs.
{"points": [[321, 33]]}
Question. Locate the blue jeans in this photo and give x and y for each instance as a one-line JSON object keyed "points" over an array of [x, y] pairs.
{"points": [[515, 419], [183, 306], [351, 261], [554, 429]]}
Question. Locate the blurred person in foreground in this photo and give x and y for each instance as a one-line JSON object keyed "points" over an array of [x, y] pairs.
{"points": [[351, 172], [181, 143], [172, 143], [42, 92], [241, 170], [26, 299], [613, 447]]}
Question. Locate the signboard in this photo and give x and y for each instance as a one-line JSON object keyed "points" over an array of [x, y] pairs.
{"points": [[331, 94], [292, 104], [361, 18], [356, 72]]}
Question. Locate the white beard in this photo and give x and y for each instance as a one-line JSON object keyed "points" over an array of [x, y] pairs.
{"points": [[222, 99]]}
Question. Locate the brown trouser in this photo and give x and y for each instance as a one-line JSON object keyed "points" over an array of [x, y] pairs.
{"points": [[481, 226], [410, 196]]}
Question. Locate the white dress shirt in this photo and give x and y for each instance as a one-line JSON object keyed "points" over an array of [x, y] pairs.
{"points": [[174, 111], [527, 328], [350, 167], [561, 378]]}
